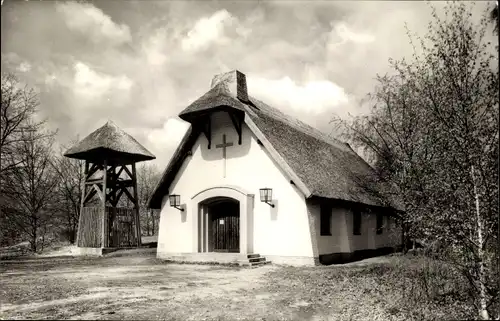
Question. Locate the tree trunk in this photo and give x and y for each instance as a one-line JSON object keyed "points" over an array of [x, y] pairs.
{"points": [[72, 235], [43, 240], [152, 214], [147, 224], [34, 234], [76, 219], [75, 229], [69, 232], [483, 311], [404, 231], [33, 242]]}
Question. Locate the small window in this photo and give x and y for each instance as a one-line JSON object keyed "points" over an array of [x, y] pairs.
{"points": [[356, 222], [380, 223], [325, 219]]}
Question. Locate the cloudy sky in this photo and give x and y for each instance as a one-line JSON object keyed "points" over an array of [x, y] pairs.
{"points": [[139, 63]]}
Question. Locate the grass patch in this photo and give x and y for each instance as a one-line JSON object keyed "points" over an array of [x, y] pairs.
{"points": [[405, 288]]}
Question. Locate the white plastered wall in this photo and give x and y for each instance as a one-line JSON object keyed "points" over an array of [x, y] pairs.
{"points": [[279, 231], [343, 240]]}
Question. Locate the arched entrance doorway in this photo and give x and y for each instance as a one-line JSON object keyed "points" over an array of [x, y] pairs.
{"points": [[211, 205], [223, 228]]}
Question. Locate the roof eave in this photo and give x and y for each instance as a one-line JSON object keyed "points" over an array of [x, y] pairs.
{"points": [[91, 143], [89, 155], [154, 201], [209, 104], [397, 212]]}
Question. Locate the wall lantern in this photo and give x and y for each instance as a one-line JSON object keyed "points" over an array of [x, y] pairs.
{"points": [[266, 196], [175, 201]]}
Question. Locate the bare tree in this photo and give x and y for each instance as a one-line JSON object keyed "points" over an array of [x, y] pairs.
{"points": [[148, 176], [18, 109], [70, 191], [433, 135], [24, 152], [30, 188]]}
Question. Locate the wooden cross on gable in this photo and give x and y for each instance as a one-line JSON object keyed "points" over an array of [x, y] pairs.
{"points": [[223, 146]]}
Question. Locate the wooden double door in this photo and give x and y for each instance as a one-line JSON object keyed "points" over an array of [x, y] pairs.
{"points": [[121, 226], [225, 226]]}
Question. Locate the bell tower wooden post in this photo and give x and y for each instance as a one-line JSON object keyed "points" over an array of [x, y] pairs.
{"points": [[110, 157], [104, 214], [82, 200], [136, 206], [106, 191]]}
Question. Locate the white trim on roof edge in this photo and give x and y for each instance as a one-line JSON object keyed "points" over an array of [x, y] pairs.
{"points": [[277, 157], [169, 164]]}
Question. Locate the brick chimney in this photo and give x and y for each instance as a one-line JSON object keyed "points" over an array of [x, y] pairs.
{"points": [[233, 83]]}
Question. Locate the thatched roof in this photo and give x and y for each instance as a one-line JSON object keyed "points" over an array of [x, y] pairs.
{"points": [[112, 143], [324, 167], [212, 99], [327, 167]]}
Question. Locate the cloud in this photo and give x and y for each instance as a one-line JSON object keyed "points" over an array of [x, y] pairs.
{"points": [[91, 84], [93, 23], [167, 136], [163, 141], [24, 67], [313, 97], [50, 79], [342, 34], [140, 63], [154, 48], [208, 30], [348, 35]]}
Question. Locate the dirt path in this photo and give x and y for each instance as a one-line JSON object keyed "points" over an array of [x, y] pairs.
{"points": [[128, 288], [144, 288]]}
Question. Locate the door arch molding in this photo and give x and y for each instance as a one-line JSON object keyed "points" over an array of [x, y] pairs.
{"points": [[199, 208], [230, 191]]}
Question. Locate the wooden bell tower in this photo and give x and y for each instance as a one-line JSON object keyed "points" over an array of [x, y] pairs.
{"points": [[110, 184]]}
